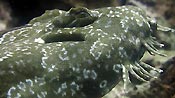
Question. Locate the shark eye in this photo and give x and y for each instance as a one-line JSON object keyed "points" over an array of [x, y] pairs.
{"points": [[79, 12], [82, 14]]}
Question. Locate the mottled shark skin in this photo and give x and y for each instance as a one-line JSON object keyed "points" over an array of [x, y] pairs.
{"points": [[76, 54]]}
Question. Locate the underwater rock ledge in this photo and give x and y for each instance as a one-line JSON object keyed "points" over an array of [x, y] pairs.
{"points": [[163, 87]]}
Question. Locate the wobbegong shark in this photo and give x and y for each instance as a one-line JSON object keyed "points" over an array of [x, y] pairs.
{"points": [[79, 53]]}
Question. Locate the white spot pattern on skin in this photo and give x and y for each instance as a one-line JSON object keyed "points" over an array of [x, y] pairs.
{"points": [[108, 55], [39, 96], [76, 69], [100, 49], [86, 73], [39, 40], [108, 24], [43, 63], [94, 74], [63, 58], [18, 95], [36, 24], [10, 91], [74, 86], [7, 54], [29, 82], [93, 47], [64, 85], [122, 52], [38, 31], [31, 91], [22, 86], [116, 67], [89, 74], [103, 84]]}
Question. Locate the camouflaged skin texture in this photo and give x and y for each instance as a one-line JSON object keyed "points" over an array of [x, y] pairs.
{"points": [[76, 54]]}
